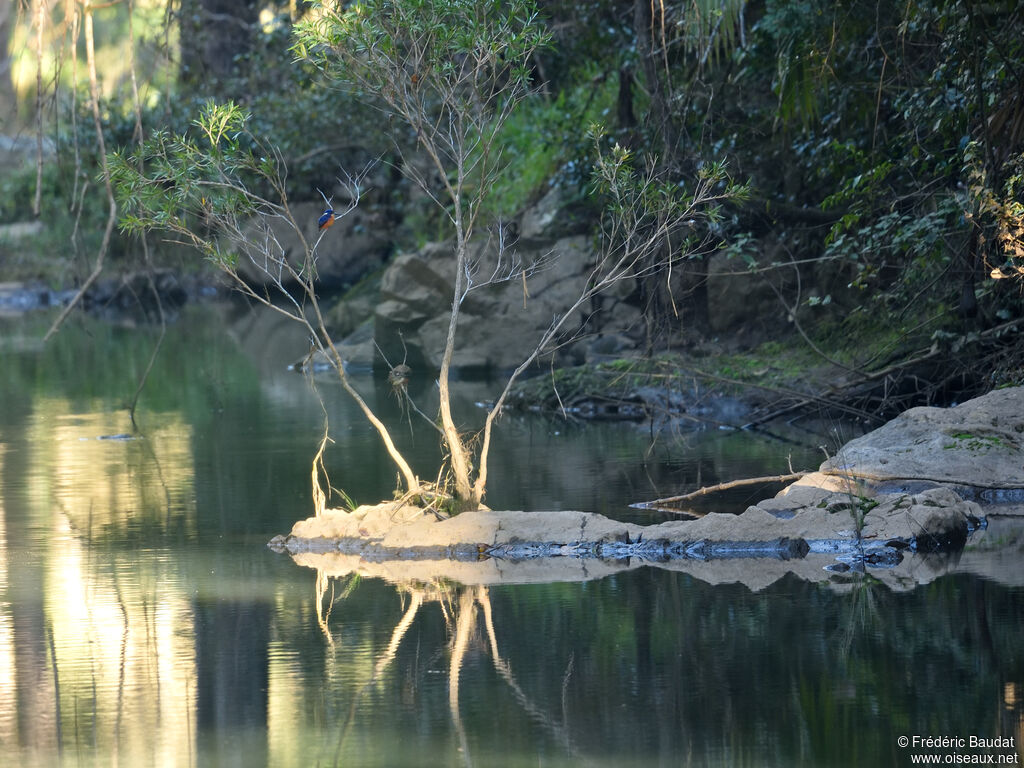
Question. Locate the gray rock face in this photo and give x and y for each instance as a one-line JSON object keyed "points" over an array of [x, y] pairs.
{"points": [[735, 301], [500, 322], [977, 443], [847, 517]]}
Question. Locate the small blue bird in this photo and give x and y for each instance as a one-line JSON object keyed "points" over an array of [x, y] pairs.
{"points": [[326, 220]]}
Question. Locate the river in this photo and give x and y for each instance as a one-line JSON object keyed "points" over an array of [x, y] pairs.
{"points": [[144, 622]]}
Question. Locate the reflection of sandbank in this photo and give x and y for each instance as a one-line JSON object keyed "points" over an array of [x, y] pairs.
{"points": [[755, 573], [400, 544]]}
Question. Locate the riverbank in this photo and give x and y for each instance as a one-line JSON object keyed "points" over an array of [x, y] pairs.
{"points": [[710, 383], [129, 295]]}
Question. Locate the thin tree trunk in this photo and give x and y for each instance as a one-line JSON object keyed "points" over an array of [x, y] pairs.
{"points": [[8, 98], [139, 137], [94, 98], [40, 23], [644, 27], [464, 490]]}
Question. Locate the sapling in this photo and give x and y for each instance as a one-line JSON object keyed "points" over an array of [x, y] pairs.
{"points": [[222, 191], [451, 72]]}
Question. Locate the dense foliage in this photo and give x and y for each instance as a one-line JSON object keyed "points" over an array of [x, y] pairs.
{"points": [[883, 141]]}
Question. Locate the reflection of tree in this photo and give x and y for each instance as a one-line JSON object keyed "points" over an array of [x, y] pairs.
{"points": [[460, 606], [32, 673], [92, 662], [231, 641], [1011, 714], [559, 730], [416, 600]]}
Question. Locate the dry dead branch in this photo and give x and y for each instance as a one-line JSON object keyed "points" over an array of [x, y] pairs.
{"points": [[666, 502]]}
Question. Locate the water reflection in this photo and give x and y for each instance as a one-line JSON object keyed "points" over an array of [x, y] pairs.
{"points": [[645, 670], [469, 629], [106, 483], [989, 553], [98, 660], [143, 621]]}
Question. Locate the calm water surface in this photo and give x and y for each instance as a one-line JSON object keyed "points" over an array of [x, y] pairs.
{"points": [[143, 622]]}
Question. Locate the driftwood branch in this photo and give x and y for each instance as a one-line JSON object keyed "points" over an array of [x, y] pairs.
{"points": [[660, 503]]}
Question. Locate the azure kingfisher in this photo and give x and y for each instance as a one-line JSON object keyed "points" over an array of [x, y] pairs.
{"points": [[326, 220]]}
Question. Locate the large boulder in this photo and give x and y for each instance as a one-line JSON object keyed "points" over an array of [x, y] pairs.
{"points": [[501, 320], [978, 444], [555, 215], [828, 517], [739, 301]]}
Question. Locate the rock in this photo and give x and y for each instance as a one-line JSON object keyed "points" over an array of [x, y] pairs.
{"points": [[935, 520], [501, 320], [542, 220], [357, 349], [404, 544], [128, 298], [738, 301], [353, 309], [997, 552], [138, 290], [552, 217], [977, 444], [611, 346], [20, 230], [20, 151], [754, 573], [16, 298], [500, 324]]}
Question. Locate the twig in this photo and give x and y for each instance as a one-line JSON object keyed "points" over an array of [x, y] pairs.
{"points": [[156, 351], [139, 136]]}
